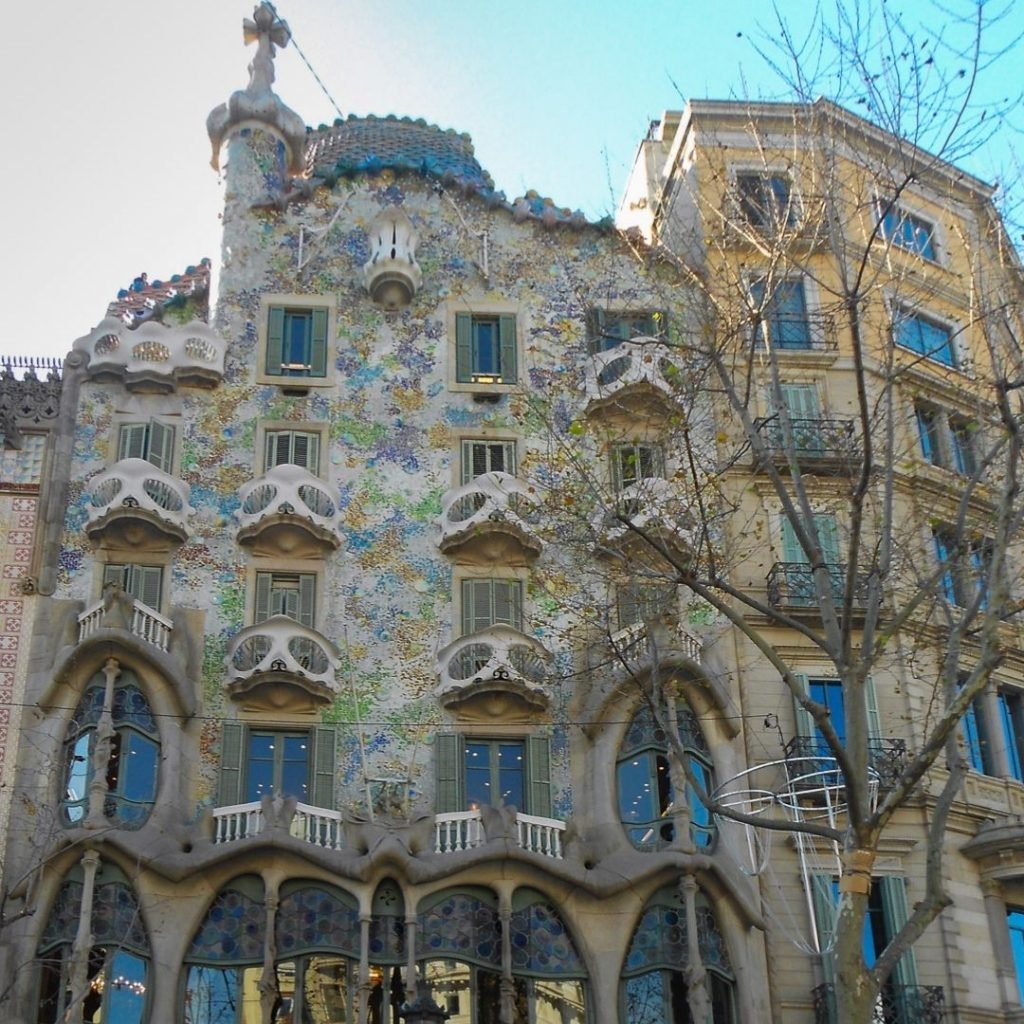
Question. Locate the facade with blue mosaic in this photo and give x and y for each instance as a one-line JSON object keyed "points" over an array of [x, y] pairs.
{"points": [[350, 680]]}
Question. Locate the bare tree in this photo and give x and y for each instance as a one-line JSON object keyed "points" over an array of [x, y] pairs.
{"points": [[821, 441]]}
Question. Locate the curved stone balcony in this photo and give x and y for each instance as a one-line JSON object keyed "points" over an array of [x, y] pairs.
{"points": [[282, 651], [633, 372], [154, 357], [288, 510], [134, 492], [490, 519], [651, 506], [495, 662]]}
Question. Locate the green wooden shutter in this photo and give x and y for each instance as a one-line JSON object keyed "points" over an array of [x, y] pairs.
{"points": [[144, 584], [324, 764], [823, 888], [115, 574], [231, 746], [508, 603], [318, 345], [261, 605], [132, 441], [828, 537], [306, 450], [276, 448], [161, 445], [463, 347], [448, 755], [507, 343], [305, 613], [804, 722], [801, 401], [595, 329], [538, 765], [894, 907], [275, 339], [792, 550]]}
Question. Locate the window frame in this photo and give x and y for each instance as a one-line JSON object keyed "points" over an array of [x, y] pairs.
{"points": [[946, 439], [465, 473], [321, 762], [509, 317], [267, 432], [783, 322], [321, 310], [958, 584], [610, 326], [134, 578], [465, 615], [893, 218], [155, 434], [307, 586], [768, 212], [902, 315]]}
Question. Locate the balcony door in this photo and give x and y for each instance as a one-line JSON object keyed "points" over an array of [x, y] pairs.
{"points": [[798, 576]]}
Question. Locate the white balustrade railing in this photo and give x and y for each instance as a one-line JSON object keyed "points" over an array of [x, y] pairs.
{"points": [[192, 353], [650, 503], [499, 500], [146, 623], [237, 821], [640, 361], [457, 830], [136, 483], [463, 830], [318, 826], [540, 835], [292, 491]]}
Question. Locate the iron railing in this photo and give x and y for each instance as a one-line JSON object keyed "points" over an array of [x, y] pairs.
{"points": [[896, 1004], [813, 440], [888, 756]]}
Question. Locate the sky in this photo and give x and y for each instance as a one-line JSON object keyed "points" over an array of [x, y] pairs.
{"points": [[106, 168]]}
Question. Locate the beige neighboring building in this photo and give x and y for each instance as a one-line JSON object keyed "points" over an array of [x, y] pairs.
{"points": [[783, 210]]}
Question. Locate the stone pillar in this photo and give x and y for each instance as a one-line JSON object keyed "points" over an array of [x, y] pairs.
{"points": [[79, 972], [694, 973], [677, 774], [103, 750], [1006, 972], [268, 979], [508, 985], [994, 732], [364, 968]]}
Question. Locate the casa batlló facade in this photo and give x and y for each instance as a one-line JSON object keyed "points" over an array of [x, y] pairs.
{"points": [[339, 630]]}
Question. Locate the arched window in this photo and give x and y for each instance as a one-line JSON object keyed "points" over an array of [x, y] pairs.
{"points": [[131, 775], [654, 980], [646, 797], [459, 947], [117, 968], [317, 935]]}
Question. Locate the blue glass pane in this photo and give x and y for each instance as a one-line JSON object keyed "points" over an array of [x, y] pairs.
{"points": [[637, 796], [211, 996], [645, 999], [295, 767], [461, 927], [926, 338], [540, 943], [486, 349], [829, 692], [972, 738], [232, 931], [298, 331], [317, 919], [79, 770], [1009, 724], [701, 827], [139, 757], [1015, 922], [510, 773], [127, 986]]}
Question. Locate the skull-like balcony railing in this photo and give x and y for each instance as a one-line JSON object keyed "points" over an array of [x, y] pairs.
{"points": [[489, 507], [154, 357], [642, 365], [498, 658], [136, 489], [287, 498], [652, 506], [281, 650]]}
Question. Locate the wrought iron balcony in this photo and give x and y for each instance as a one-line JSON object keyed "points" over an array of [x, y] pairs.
{"points": [[464, 830], [897, 1004], [288, 500], [154, 357], [806, 332], [491, 508], [791, 586], [498, 658], [281, 650], [642, 365], [888, 756], [143, 622], [136, 489], [816, 443]]}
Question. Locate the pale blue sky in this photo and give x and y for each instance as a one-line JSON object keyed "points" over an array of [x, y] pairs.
{"points": [[106, 171]]}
